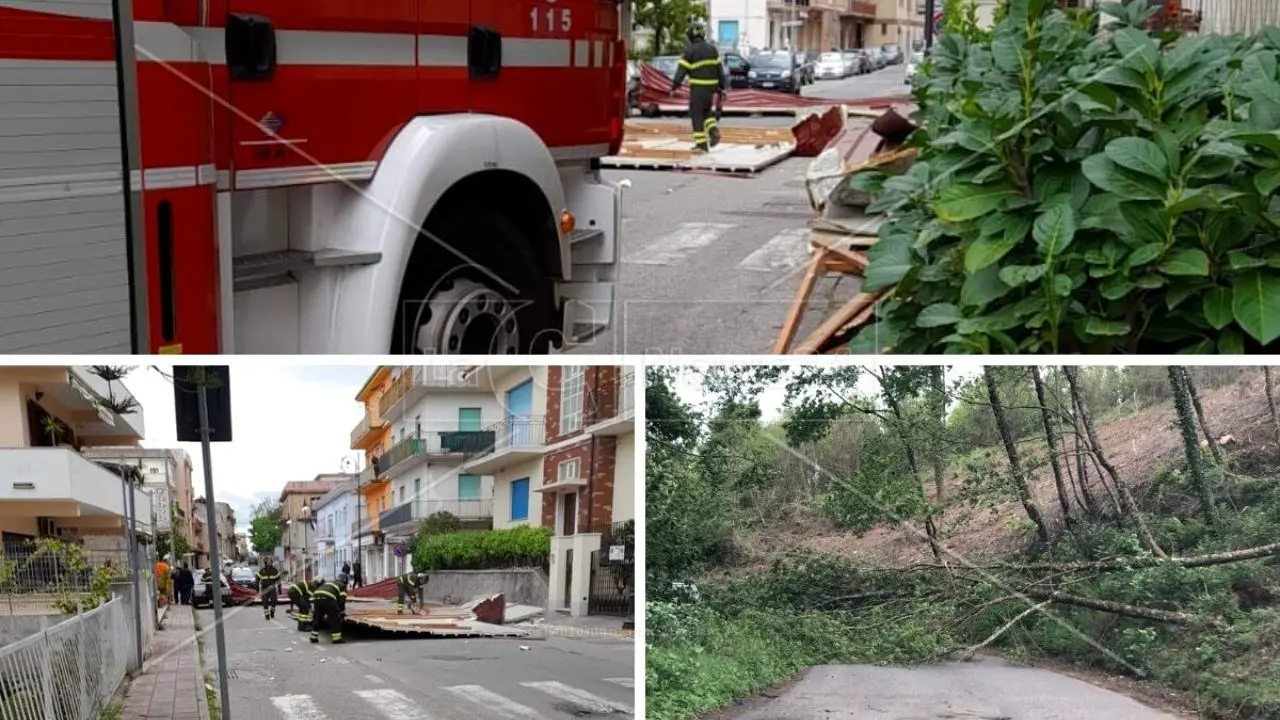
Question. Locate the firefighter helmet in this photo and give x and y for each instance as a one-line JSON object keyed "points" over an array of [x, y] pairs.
{"points": [[697, 31]]}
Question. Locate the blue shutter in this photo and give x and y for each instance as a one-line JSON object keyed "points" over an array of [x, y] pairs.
{"points": [[520, 499]]}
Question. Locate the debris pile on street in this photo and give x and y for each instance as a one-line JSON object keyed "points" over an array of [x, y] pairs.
{"points": [[668, 146], [842, 230], [484, 616]]}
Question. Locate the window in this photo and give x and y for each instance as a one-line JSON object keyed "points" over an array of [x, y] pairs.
{"points": [[571, 383], [569, 470], [469, 419], [417, 495], [401, 493], [520, 499], [468, 487]]}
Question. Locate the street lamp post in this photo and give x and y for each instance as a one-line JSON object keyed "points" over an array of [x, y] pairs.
{"points": [[306, 522]]}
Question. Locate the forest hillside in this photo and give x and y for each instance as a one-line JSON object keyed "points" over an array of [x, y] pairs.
{"points": [[1118, 520]]}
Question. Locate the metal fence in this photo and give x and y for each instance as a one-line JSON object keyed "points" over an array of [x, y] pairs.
{"points": [[68, 671], [613, 572], [33, 580]]}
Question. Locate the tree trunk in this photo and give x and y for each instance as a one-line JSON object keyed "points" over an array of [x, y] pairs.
{"points": [[1149, 540], [1186, 423], [1271, 400], [1194, 561], [930, 528], [938, 391], [1011, 449], [1083, 449], [1200, 416], [1135, 611], [1051, 438], [1082, 475]]}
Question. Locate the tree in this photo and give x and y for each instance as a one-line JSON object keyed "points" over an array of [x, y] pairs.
{"points": [[1200, 416], [1051, 438], [1011, 450], [266, 526], [1187, 424], [668, 19], [1269, 384]]}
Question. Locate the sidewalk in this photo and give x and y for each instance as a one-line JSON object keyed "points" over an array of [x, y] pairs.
{"points": [[171, 684]]}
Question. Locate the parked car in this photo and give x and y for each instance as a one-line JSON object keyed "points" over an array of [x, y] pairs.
{"points": [[776, 71], [737, 67], [853, 62], [201, 592], [871, 59], [913, 65], [633, 89], [892, 53], [665, 64], [245, 577], [831, 66]]}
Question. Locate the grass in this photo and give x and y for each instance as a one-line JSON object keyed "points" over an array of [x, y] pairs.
{"points": [[114, 711], [215, 710]]}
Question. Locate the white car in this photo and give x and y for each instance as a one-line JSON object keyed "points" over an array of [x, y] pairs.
{"points": [[831, 66], [913, 66]]}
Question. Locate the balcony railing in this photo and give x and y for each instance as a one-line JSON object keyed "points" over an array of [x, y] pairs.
{"points": [[601, 407], [461, 508], [421, 377], [509, 434], [458, 442], [366, 425]]}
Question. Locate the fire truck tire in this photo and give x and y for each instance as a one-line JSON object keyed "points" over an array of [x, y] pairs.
{"points": [[450, 307]]}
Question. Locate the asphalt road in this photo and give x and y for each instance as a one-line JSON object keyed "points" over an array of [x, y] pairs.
{"points": [[985, 689], [276, 674], [710, 263]]}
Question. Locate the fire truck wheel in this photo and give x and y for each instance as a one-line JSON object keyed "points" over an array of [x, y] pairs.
{"points": [[500, 303]]}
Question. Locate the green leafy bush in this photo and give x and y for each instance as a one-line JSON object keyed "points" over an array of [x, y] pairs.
{"points": [[515, 547], [1085, 191]]}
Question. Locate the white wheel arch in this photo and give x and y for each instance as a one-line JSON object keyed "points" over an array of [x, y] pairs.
{"points": [[351, 310]]}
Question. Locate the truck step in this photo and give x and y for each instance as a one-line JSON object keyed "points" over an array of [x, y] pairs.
{"points": [[583, 331], [260, 270], [583, 235]]}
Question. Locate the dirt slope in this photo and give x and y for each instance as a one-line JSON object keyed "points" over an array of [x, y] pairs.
{"points": [[1138, 445]]}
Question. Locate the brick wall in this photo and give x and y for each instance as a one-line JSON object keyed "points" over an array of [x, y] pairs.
{"points": [[553, 403], [595, 502]]}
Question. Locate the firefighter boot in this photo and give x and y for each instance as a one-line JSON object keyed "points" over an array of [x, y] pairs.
{"points": [[336, 638], [315, 637], [701, 148], [715, 136]]}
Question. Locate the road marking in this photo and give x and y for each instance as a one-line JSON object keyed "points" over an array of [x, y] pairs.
{"points": [[392, 705], [675, 245], [624, 682], [483, 696], [373, 679], [784, 251], [341, 660], [594, 703], [298, 707]]}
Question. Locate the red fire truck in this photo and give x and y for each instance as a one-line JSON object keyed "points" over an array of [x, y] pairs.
{"points": [[328, 176]]}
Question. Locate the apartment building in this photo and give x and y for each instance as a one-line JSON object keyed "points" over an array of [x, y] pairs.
{"points": [[297, 503], [166, 474], [335, 511], [48, 415]]}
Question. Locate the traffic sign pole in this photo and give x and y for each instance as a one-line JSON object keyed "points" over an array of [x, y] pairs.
{"points": [[935, 20]]}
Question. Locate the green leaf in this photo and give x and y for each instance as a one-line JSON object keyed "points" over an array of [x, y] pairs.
{"points": [[1105, 174], [1217, 307], [1143, 255], [1240, 260], [1137, 48], [1255, 303], [1139, 155], [888, 261], [982, 287], [1231, 342], [1016, 275], [1054, 230], [1112, 328], [1188, 261], [1062, 285], [939, 315], [1267, 181], [1116, 287], [959, 203]]}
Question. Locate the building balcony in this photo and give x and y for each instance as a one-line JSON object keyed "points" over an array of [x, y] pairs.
{"points": [[865, 10], [403, 519], [512, 441], [611, 410], [366, 431], [68, 492], [415, 382], [439, 446]]}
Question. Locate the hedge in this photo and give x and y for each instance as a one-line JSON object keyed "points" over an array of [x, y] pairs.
{"points": [[515, 547]]}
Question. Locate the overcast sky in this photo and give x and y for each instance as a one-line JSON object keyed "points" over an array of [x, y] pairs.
{"points": [[288, 423]]}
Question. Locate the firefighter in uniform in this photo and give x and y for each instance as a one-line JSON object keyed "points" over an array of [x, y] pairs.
{"points": [[327, 605], [300, 597], [269, 588], [410, 585], [701, 63]]}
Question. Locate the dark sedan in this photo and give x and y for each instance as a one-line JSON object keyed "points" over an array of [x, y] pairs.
{"points": [[776, 71], [738, 68]]}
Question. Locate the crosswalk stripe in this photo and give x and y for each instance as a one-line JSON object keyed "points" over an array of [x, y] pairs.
{"points": [[624, 682], [298, 707], [504, 706], [594, 703], [674, 246], [392, 705], [784, 251], [373, 679]]}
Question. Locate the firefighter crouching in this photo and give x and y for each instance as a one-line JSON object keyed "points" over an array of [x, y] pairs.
{"points": [[300, 597], [269, 587], [701, 63], [328, 603], [410, 585]]}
